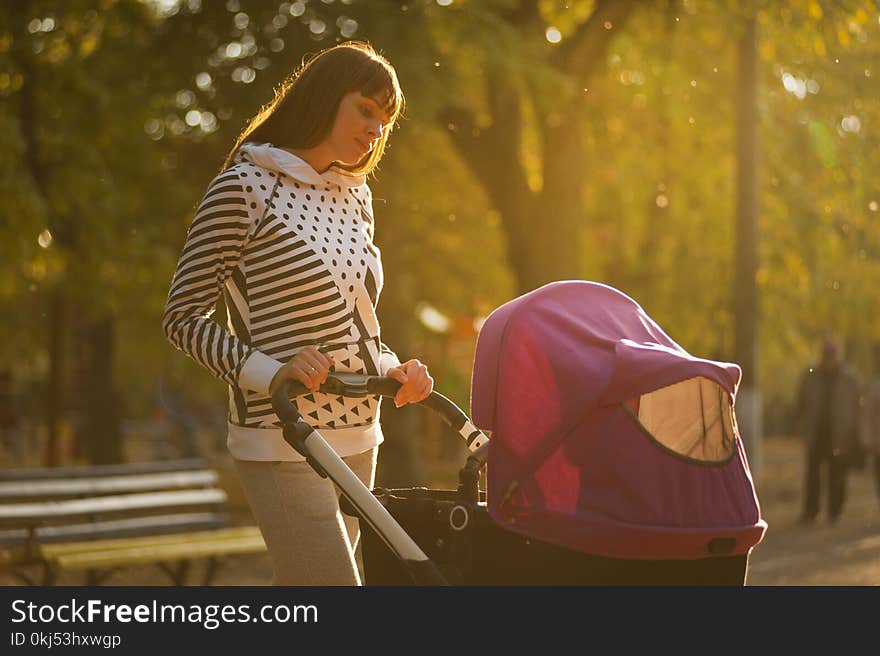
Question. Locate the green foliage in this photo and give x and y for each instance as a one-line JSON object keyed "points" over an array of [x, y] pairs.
{"points": [[137, 103]]}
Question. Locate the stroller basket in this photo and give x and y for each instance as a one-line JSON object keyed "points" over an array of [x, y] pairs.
{"points": [[482, 553]]}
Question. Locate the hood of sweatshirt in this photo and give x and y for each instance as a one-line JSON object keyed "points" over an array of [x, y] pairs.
{"points": [[269, 157]]}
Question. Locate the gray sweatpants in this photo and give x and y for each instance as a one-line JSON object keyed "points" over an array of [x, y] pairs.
{"points": [[310, 541]]}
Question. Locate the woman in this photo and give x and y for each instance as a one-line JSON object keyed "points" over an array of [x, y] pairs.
{"points": [[285, 233]]}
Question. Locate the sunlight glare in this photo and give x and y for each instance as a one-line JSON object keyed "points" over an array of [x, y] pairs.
{"points": [[204, 81], [794, 85], [207, 122], [432, 318], [154, 128], [244, 74], [347, 26], [851, 123], [185, 98]]}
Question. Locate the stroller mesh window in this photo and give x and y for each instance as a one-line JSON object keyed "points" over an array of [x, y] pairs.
{"points": [[693, 418]]}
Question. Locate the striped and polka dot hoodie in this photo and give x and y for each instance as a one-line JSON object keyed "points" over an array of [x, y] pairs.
{"points": [[291, 252]]}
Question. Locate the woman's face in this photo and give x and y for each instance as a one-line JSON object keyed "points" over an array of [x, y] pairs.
{"points": [[360, 123]]}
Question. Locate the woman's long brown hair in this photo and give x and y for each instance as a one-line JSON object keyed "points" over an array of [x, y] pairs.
{"points": [[302, 113]]}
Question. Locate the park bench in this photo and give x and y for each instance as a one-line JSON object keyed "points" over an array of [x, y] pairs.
{"points": [[100, 518]]}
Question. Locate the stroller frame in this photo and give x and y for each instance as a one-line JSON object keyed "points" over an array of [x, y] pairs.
{"points": [[446, 537]]}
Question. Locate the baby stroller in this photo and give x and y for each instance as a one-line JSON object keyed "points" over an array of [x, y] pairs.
{"points": [[614, 459]]}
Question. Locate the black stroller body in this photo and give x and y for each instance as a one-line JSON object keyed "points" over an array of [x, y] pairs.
{"points": [[486, 554]]}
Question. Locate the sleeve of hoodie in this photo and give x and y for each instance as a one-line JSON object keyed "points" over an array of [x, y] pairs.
{"points": [[224, 221], [387, 359]]}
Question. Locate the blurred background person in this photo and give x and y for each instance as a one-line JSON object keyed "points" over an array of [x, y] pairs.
{"points": [[827, 419], [871, 427]]}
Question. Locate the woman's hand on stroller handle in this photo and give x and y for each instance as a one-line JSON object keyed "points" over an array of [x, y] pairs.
{"points": [[360, 385], [416, 382], [310, 367]]}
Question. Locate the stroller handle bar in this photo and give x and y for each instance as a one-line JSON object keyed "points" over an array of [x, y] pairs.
{"points": [[359, 385], [327, 463]]}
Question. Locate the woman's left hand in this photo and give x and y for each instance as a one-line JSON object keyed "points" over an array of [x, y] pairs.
{"points": [[417, 383]]}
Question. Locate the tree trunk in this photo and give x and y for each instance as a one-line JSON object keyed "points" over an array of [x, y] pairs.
{"points": [[55, 384], [97, 433], [543, 230], [746, 311], [29, 116], [555, 222]]}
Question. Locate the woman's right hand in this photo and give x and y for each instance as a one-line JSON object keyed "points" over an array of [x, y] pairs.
{"points": [[309, 366]]}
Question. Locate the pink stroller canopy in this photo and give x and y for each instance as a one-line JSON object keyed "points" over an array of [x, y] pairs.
{"points": [[607, 436]]}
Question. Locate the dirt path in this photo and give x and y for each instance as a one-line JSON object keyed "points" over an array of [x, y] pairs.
{"points": [[843, 554]]}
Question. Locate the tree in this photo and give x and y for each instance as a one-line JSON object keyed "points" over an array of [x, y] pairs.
{"points": [[88, 164], [492, 148], [745, 288]]}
